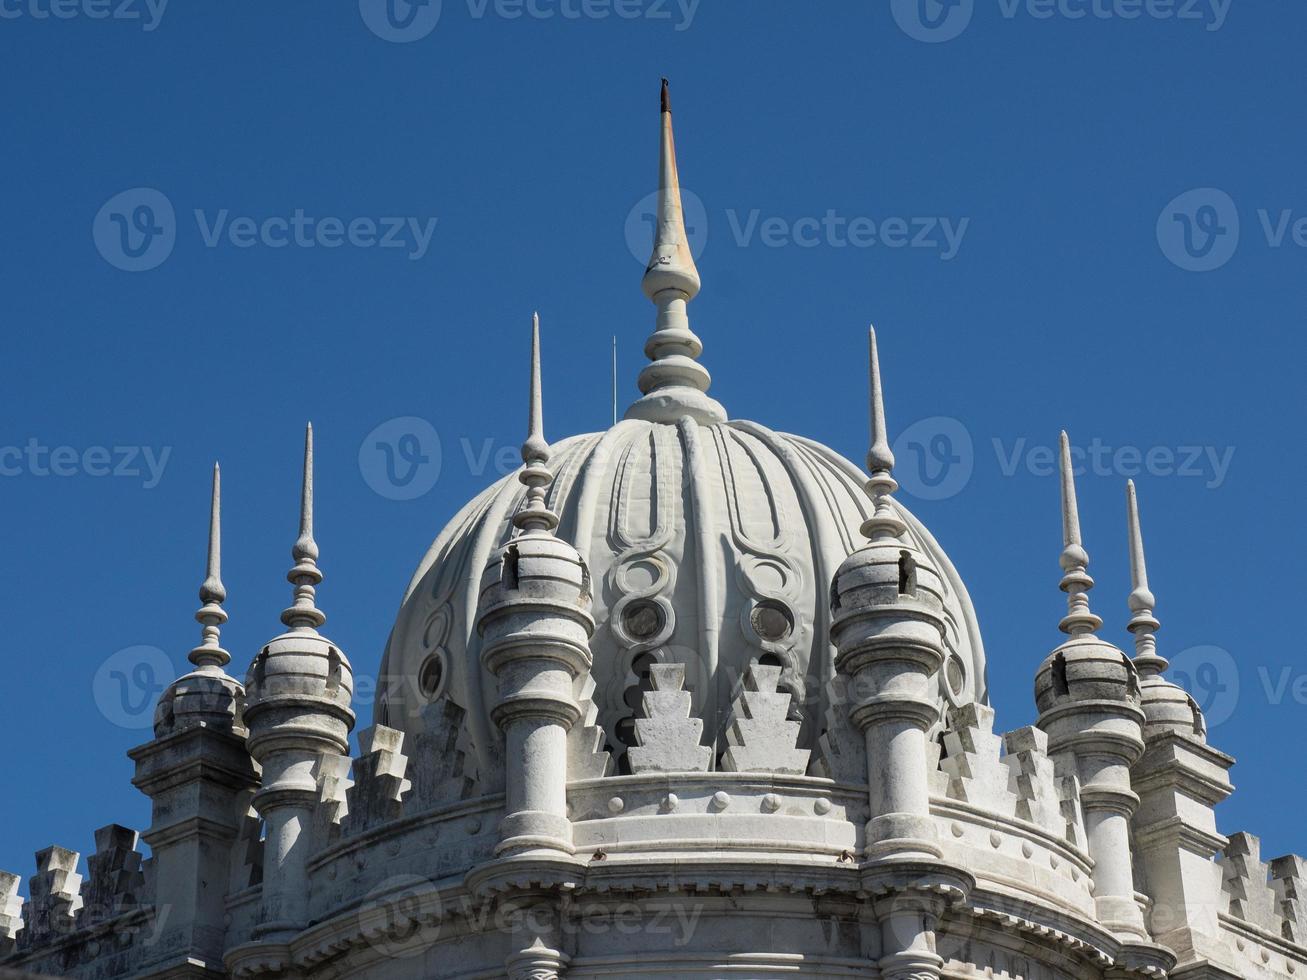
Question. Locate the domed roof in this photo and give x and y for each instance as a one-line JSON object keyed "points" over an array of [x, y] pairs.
{"points": [[709, 545], [710, 542]]}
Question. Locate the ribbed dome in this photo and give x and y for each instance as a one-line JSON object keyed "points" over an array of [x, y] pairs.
{"points": [[709, 545]]}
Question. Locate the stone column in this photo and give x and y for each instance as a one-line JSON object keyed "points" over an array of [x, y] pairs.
{"points": [[536, 628]]}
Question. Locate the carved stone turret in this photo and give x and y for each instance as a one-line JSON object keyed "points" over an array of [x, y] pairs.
{"points": [[298, 695], [199, 777], [1087, 692]]}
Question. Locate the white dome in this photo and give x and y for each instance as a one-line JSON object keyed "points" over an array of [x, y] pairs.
{"points": [[711, 545]]}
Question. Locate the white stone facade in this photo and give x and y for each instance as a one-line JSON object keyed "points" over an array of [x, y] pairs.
{"points": [[687, 698]]}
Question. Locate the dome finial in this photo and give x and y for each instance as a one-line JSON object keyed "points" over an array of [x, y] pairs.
{"points": [[535, 476], [675, 384], [211, 615], [883, 523], [306, 575], [1143, 624], [1076, 582]]}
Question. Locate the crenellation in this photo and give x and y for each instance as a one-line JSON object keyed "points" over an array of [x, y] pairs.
{"points": [[668, 736], [1072, 813], [761, 738], [841, 749], [586, 756], [55, 896], [332, 774], [376, 796], [1247, 884], [115, 881], [11, 912], [972, 760], [1289, 882], [1034, 779], [441, 768]]}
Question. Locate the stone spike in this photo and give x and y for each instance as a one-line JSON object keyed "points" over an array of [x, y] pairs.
{"points": [[535, 515], [305, 576], [1143, 624], [211, 615], [1076, 582], [671, 266], [884, 523]]}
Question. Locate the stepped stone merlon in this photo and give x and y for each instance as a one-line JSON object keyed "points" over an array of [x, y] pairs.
{"points": [[586, 756], [331, 772], [55, 897], [439, 766], [11, 911], [669, 739], [761, 737], [842, 748], [1034, 779], [379, 780], [976, 772], [114, 881], [1247, 884], [1289, 881]]}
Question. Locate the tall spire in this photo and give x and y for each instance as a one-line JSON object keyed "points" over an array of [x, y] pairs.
{"points": [[305, 576], [675, 384], [211, 615], [883, 523], [1076, 582], [1143, 624], [535, 476]]}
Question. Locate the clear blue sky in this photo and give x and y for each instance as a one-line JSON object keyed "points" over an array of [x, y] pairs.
{"points": [[1052, 147]]}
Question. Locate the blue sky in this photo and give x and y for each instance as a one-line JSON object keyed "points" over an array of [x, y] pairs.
{"points": [[1057, 214]]}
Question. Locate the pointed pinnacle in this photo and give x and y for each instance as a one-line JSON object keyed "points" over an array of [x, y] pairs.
{"points": [[212, 589], [535, 448], [1074, 560], [671, 266], [880, 458], [211, 615], [665, 102], [306, 575], [535, 515], [1143, 623]]}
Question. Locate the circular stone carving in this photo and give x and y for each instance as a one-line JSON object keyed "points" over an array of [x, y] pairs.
{"points": [[431, 676], [721, 800], [616, 805], [771, 620], [642, 620], [771, 803], [822, 806], [957, 829], [671, 802]]}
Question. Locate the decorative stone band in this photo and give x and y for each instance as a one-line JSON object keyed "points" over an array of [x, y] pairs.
{"points": [[1106, 727], [555, 710], [890, 707], [1108, 798]]}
